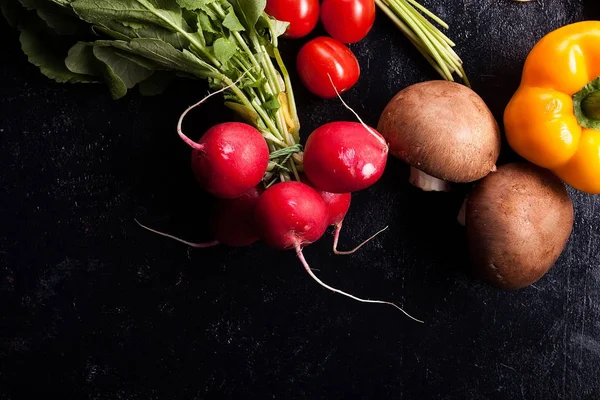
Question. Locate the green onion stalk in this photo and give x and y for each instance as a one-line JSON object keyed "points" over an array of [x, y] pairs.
{"points": [[410, 17]]}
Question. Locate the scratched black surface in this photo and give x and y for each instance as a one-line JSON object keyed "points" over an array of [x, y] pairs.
{"points": [[93, 307]]}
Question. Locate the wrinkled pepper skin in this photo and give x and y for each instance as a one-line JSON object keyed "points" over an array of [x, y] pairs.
{"points": [[540, 120]]}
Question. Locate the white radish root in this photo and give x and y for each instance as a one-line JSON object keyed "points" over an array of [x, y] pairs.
{"points": [[326, 286], [191, 244], [370, 130], [336, 236], [186, 139]]}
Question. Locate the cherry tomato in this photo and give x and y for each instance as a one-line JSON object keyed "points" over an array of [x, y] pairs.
{"points": [[324, 55], [348, 20], [302, 15]]}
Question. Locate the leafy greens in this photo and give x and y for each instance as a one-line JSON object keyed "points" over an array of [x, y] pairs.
{"points": [[146, 43]]}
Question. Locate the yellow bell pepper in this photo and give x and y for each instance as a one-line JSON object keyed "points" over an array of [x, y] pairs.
{"points": [[553, 119]]}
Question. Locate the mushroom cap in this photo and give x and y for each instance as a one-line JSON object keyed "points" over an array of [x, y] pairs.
{"points": [[518, 221], [444, 129]]}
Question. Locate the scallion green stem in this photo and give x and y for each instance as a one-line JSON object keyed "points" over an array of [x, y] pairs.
{"points": [[411, 18], [429, 14], [401, 7]]}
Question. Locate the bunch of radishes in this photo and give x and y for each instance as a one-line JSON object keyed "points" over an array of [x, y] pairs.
{"points": [[231, 159]]}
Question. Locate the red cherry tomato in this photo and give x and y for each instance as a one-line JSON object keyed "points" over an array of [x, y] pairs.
{"points": [[348, 20], [302, 15], [324, 55]]}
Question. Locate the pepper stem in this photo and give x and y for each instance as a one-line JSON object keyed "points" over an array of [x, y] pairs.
{"points": [[591, 106], [586, 105]]}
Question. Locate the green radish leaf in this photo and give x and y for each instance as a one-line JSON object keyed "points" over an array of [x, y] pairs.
{"points": [[175, 39], [62, 24], [133, 25], [116, 86], [139, 60], [53, 15], [247, 82], [81, 60], [204, 5], [128, 71], [205, 23], [248, 11], [199, 37], [191, 18], [190, 4], [169, 57], [122, 32], [277, 27], [232, 22], [13, 12], [272, 104], [196, 5], [124, 49], [268, 30], [62, 3], [247, 114], [156, 84], [117, 44], [132, 13], [224, 49], [48, 51]]}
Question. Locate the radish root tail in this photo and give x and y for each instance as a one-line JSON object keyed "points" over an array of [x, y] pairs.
{"points": [[191, 244], [379, 138], [336, 237], [326, 286], [182, 135]]}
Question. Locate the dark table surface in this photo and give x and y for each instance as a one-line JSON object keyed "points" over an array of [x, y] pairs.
{"points": [[92, 306]]}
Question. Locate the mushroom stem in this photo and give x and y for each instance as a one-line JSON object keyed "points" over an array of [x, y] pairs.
{"points": [[462, 213], [427, 182]]}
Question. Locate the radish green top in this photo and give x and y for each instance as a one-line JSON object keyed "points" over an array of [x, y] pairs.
{"points": [[146, 43]]}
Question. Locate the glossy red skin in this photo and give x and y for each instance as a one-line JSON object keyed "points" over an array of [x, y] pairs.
{"points": [[303, 15], [233, 219], [290, 214], [337, 204], [233, 160], [348, 21], [343, 157], [324, 55]]}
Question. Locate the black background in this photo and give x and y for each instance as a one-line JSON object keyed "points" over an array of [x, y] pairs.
{"points": [[94, 307]]}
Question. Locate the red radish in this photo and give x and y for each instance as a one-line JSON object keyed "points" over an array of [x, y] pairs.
{"points": [[337, 208], [233, 219], [229, 159], [291, 215], [232, 222], [341, 157], [338, 205]]}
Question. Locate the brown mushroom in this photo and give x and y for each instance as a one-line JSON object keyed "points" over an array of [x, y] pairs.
{"points": [[444, 130], [518, 221]]}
